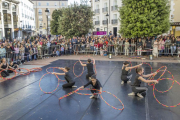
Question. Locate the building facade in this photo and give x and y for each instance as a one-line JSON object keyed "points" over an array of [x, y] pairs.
{"points": [[27, 18], [42, 18], [101, 8], [175, 17], [9, 19]]}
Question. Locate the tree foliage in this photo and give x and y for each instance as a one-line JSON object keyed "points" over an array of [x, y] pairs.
{"points": [[76, 20], [142, 18], [54, 22]]}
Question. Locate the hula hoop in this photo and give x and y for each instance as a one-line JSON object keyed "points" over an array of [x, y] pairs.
{"points": [[50, 68], [159, 101], [75, 73], [15, 73], [23, 73], [76, 91], [51, 91], [35, 69]]}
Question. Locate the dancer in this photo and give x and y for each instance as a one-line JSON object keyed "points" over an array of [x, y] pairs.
{"points": [[4, 68], [14, 66], [95, 85], [125, 76], [136, 87], [68, 78], [89, 68]]}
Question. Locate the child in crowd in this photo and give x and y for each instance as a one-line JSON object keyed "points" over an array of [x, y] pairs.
{"points": [[66, 49], [30, 53], [105, 52], [101, 51], [126, 47], [62, 50], [70, 48], [57, 52]]}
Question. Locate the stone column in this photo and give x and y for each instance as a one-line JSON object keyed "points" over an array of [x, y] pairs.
{"points": [[12, 23], [2, 22]]}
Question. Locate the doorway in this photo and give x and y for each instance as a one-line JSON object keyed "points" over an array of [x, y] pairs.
{"points": [[115, 31]]}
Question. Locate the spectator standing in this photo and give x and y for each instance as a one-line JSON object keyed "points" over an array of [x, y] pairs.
{"points": [[167, 46], [139, 47], [126, 47], [22, 52], [161, 46], [155, 48], [2, 52], [27, 53], [173, 46]]}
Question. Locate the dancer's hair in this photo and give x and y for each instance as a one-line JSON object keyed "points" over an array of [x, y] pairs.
{"points": [[126, 62], [67, 68], [89, 60], [138, 69]]}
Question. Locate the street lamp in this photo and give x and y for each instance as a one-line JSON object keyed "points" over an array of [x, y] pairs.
{"points": [[107, 16], [47, 11]]}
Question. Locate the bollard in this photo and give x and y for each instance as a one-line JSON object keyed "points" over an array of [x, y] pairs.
{"points": [[110, 56]]}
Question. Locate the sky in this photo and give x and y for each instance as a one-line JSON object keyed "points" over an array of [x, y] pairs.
{"points": [[72, 1]]}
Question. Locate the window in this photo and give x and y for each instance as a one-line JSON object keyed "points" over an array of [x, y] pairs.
{"points": [[39, 3], [40, 10], [97, 18], [97, 6], [105, 4], [115, 16], [55, 3], [115, 2], [47, 4], [62, 4]]}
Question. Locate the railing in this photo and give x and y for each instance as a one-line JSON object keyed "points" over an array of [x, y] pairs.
{"points": [[97, 11], [105, 9], [104, 22], [114, 8], [114, 21], [97, 22]]}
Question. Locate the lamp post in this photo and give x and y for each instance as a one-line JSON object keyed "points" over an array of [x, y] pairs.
{"points": [[47, 11], [107, 15]]}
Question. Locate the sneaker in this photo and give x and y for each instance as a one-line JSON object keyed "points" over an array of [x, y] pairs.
{"points": [[129, 82], [131, 93], [74, 86], [91, 97], [139, 95], [122, 83]]}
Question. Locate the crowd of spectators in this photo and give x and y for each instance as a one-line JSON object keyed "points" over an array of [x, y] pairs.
{"points": [[44, 47]]}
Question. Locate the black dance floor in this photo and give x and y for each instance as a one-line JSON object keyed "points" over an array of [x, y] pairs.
{"points": [[22, 99]]}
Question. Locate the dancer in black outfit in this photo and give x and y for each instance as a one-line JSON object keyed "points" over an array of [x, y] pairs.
{"points": [[14, 66], [89, 68], [95, 85], [136, 87], [4, 67], [125, 76], [70, 83]]}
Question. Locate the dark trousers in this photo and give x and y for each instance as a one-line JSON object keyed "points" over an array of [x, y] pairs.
{"points": [[68, 85], [5, 73], [94, 91], [89, 75], [138, 89]]}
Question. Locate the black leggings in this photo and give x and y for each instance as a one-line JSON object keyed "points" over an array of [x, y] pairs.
{"points": [[5, 73], [138, 89], [126, 78], [89, 75], [94, 91], [67, 85]]}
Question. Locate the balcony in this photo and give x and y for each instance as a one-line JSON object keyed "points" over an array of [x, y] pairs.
{"points": [[97, 22], [97, 11], [105, 9], [114, 8], [97, 0], [104, 22], [40, 13], [114, 21]]}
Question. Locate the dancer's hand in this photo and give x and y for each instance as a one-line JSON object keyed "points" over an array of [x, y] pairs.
{"points": [[53, 73], [81, 87], [156, 81], [155, 73], [140, 64]]}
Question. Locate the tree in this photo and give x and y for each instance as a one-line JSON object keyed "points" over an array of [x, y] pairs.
{"points": [[142, 18], [54, 22], [76, 20]]}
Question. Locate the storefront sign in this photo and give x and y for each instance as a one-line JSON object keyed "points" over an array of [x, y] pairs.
{"points": [[175, 24], [99, 33]]}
